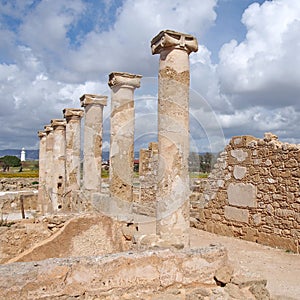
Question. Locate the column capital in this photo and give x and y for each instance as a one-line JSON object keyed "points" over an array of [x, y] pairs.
{"points": [[173, 39], [55, 123], [41, 134], [124, 79], [73, 113], [89, 99], [48, 128]]}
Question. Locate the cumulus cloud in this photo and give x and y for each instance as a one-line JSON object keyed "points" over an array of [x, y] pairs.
{"points": [[54, 51], [260, 76]]}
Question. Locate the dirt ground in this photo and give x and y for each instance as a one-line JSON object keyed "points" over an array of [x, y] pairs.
{"points": [[280, 268]]}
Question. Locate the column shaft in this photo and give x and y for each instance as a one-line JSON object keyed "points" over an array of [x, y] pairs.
{"points": [[42, 172], [173, 135], [92, 150], [122, 134], [48, 208], [73, 132], [59, 164]]}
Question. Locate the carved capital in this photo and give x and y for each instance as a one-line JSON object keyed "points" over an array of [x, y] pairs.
{"points": [[41, 134], [122, 79], [48, 128], [90, 99], [73, 113], [172, 39], [58, 123]]}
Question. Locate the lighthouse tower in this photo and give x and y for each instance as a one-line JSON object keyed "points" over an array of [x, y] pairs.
{"points": [[23, 154]]}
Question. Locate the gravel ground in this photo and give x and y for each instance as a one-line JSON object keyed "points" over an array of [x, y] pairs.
{"points": [[280, 268]]}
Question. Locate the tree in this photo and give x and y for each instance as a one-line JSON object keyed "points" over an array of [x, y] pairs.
{"points": [[11, 161]]}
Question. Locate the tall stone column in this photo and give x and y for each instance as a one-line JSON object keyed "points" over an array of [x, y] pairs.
{"points": [[92, 150], [42, 172], [48, 208], [122, 134], [73, 132], [59, 164], [173, 135]]}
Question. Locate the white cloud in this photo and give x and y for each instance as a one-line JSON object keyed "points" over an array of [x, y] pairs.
{"points": [[266, 55], [126, 45], [260, 77], [60, 49]]}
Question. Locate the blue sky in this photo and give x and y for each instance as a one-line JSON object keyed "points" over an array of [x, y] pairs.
{"points": [[245, 78]]}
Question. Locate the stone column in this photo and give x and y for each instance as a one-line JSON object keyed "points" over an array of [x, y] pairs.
{"points": [[173, 135], [49, 169], [122, 134], [73, 132], [59, 164], [42, 172], [92, 150]]}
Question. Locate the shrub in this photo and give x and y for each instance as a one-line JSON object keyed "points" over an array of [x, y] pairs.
{"points": [[11, 160]]}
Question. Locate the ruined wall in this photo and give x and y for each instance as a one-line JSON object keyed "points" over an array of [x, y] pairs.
{"points": [[83, 235], [253, 193], [10, 204], [148, 172], [18, 184], [154, 274]]}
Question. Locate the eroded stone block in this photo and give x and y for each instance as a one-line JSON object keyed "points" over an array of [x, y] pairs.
{"points": [[239, 172], [242, 194], [236, 214]]}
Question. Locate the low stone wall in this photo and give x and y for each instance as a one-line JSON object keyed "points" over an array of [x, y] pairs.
{"points": [[83, 235], [253, 193], [152, 274], [11, 202], [18, 184]]}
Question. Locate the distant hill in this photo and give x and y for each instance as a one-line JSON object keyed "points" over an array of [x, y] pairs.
{"points": [[30, 154], [34, 154]]}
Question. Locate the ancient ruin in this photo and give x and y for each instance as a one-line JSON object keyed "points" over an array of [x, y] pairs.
{"points": [[73, 118], [253, 193], [92, 150], [86, 243], [172, 211], [42, 172], [122, 134], [59, 164]]}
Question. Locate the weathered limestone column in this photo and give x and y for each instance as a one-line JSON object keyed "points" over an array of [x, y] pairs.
{"points": [[92, 150], [122, 134], [73, 132], [59, 164], [48, 208], [173, 135], [42, 172]]}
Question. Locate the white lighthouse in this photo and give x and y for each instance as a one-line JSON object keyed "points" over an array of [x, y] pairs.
{"points": [[23, 154]]}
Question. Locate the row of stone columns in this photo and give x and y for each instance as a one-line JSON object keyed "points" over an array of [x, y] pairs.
{"points": [[61, 176]]}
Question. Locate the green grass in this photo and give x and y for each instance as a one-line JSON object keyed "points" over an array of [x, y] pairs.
{"points": [[104, 173], [23, 174], [198, 175]]}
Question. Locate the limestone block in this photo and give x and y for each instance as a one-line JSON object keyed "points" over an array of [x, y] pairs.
{"points": [[236, 214], [239, 172], [109, 277], [242, 194], [239, 154]]}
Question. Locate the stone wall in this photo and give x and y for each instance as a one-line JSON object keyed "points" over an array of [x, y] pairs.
{"points": [[11, 202], [148, 172], [154, 274], [83, 235], [253, 193], [18, 184]]}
